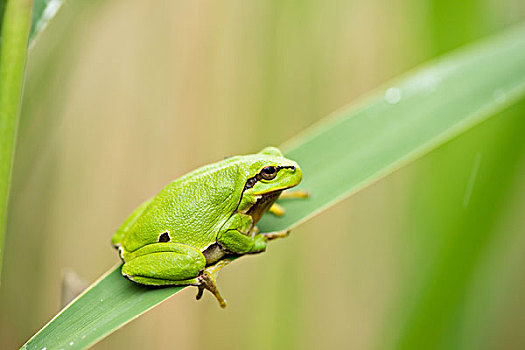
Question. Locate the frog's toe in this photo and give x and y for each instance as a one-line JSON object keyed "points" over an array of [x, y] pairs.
{"points": [[277, 234], [276, 210], [206, 281], [291, 194]]}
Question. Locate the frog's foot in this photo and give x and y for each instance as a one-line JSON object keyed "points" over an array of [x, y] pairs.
{"points": [[302, 194], [277, 234], [206, 281], [276, 210], [214, 269]]}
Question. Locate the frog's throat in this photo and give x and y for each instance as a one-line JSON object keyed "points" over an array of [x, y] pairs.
{"points": [[261, 206]]}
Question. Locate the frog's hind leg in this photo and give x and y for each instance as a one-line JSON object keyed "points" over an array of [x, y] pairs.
{"points": [[162, 264], [158, 282], [206, 281], [172, 264]]}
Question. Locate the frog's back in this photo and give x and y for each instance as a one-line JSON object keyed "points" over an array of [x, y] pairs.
{"points": [[191, 209]]}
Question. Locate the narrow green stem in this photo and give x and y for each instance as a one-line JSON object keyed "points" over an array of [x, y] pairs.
{"points": [[13, 54]]}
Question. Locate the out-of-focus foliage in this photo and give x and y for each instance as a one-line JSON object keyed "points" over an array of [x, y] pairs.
{"points": [[385, 132], [15, 24], [123, 96], [23, 19]]}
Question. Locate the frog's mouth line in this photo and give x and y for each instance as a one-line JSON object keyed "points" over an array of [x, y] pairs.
{"points": [[254, 179]]}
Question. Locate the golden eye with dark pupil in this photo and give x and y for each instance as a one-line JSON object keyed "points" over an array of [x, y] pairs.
{"points": [[269, 172]]}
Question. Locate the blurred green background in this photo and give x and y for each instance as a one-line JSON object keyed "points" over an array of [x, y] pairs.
{"points": [[123, 96]]}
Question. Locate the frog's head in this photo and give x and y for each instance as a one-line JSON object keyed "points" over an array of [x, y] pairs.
{"points": [[268, 172]]}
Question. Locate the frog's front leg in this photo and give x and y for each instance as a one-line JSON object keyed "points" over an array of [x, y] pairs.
{"points": [[165, 264], [277, 234], [292, 194], [272, 235], [235, 236]]}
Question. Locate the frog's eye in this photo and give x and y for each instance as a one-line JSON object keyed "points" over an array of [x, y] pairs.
{"points": [[269, 172]]}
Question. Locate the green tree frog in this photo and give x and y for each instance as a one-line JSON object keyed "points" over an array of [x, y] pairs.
{"points": [[190, 229]]}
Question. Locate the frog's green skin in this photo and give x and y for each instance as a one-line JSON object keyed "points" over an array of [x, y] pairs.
{"points": [[198, 219]]}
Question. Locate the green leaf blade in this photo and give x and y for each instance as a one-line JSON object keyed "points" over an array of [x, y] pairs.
{"points": [[44, 11], [438, 102], [86, 319], [349, 151]]}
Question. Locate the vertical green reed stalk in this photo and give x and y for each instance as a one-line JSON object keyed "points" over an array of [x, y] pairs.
{"points": [[16, 25]]}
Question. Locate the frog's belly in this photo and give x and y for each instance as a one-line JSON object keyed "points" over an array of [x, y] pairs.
{"points": [[213, 253]]}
